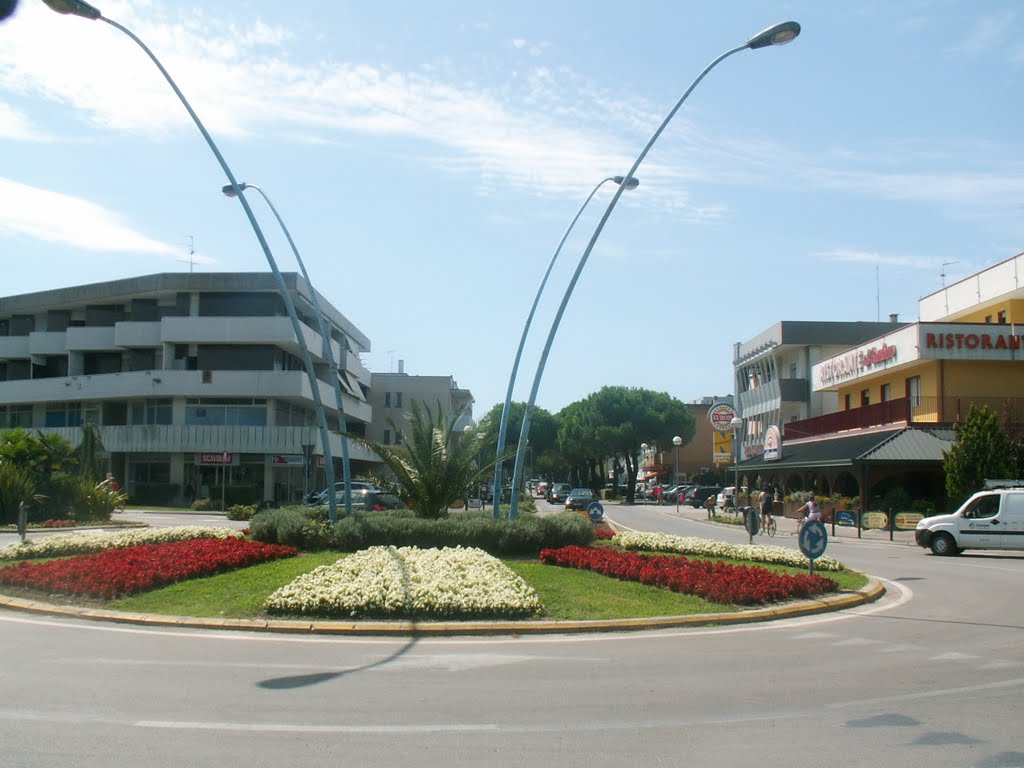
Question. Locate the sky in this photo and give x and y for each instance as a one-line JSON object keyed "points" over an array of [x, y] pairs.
{"points": [[427, 159]]}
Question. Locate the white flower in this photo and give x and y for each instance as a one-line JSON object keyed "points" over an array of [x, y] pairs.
{"points": [[454, 582], [81, 543], [691, 545]]}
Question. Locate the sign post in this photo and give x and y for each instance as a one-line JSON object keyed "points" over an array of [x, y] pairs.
{"points": [[813, 539]]}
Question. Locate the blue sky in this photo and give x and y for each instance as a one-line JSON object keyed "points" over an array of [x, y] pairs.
{"points": [[427, 158]]}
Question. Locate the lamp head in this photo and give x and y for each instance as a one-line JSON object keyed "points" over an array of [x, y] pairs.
{"points": [[677, 440], [229, 189], [75, 8], [631, 183], [779, 34]]}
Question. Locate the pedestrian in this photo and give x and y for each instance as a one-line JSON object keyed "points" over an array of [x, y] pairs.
{"points": [[766, 501], [657, 494]]}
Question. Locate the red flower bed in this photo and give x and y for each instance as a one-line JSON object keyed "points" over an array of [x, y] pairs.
{"points": [[709, 579], [604, 533], [120, 572], [63, 523]]}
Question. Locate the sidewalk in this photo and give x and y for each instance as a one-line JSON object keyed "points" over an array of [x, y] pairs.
{"points": [[787, 527]]}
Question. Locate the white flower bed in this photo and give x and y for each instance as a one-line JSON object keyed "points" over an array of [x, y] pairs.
{"points": [[691, 545], [454, 582], [61, 544]]}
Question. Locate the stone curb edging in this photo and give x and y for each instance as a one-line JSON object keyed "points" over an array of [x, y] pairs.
{"points": [[871, 592]]}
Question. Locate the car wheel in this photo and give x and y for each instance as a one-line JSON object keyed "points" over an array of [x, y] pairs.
{"points": [[943, 544]]}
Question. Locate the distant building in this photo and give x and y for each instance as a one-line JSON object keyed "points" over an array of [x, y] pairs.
{"points": [[392, 394], [195, 381]]}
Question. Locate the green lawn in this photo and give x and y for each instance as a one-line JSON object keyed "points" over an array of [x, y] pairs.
{"points": [[565, 593]]}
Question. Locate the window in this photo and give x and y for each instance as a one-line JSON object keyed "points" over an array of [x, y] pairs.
{"points": [[914, 390], [846, 402], [63, 415], [387, 399], [152, 411], [387, 437], [886, 392], [398, 400], [149, 472], [244, 412], [1001, 317], [982, 507], [988, 318], [865, 397], [19, 416]]}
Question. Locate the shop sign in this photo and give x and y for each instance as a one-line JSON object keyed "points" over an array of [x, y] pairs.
{"points": [[218, 459], [287, 460], [772, 444], [876, 520], [721, 415], [722, 449], [969, 341], [907, 521], [852, 364]]}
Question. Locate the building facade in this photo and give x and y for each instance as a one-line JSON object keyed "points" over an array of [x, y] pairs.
{"points": [[899, 394], [195, 381], [392, 394]]}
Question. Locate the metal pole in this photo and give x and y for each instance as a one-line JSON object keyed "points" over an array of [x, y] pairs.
{"points": [[87, 11], [503, 427], [778, 34]]}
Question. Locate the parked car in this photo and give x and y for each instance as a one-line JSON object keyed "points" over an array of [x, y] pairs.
{"points": [[557, 492], [580, 498], [700, 494], [320, 497], [990, 519]]}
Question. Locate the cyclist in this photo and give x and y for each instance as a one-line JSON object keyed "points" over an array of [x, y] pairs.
{"points": [[809, 511]]}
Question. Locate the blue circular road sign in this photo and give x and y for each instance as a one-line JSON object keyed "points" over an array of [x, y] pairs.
{"points": [[595, 510], [813, 539]]}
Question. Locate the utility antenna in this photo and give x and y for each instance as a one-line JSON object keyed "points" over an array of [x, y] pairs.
{"points": [[191, 254], [391, 360], [943, 273], [878, 297]]}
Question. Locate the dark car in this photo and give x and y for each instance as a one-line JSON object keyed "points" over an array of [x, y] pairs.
{"points": [[699, 495], [580, 498], [557, 492]]}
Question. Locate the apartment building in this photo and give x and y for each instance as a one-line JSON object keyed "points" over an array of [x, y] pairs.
{"points": [[195, 381], [392, 394]]}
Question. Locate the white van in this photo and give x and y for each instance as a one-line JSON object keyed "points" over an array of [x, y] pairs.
{"points": [[990, 519]]}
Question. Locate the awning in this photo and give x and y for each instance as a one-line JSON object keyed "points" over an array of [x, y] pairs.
{"points": [[649, 475], [904, 445]]}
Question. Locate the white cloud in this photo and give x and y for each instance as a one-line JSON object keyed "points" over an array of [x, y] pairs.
{"points": [[16, 125], [58, 218], [873, 257]]}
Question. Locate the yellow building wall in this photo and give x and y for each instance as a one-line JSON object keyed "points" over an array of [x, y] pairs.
{"points": [[1014, 313], [946, 379]]}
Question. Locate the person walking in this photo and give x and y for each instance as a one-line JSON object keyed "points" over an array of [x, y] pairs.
{"points": [[766, 501]]}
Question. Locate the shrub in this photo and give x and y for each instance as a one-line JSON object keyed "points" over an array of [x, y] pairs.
{"points": [[896, 500], [241, 512], [202, 505], [525, 535], [923, 507]]}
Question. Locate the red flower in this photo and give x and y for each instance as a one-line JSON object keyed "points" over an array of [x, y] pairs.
{"points": [[709, 579], [119, 572]]}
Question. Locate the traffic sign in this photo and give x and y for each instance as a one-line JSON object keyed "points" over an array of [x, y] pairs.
{"points": [[813, 539], [595, 510]]}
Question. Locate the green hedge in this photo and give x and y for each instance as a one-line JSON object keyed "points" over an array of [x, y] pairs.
{"points": [[525, 535]]}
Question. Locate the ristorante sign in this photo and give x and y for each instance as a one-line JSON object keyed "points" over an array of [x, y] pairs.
{"points": [[856, 363], [972, 339]]}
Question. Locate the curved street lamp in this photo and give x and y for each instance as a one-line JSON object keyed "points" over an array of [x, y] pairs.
{"points": [[86, 11], [328, 353], [632, 183], [779, 34]]}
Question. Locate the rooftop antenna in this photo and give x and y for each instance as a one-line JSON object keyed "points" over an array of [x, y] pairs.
{"points": [[391, 360], [191, 254], [943, 273], [878, 297]]}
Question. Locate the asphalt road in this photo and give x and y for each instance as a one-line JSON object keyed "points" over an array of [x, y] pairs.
{"points": [[931, 675]]}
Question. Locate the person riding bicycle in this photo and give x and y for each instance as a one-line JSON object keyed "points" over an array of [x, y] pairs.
{"points": [[766, 501], [809, 511]]}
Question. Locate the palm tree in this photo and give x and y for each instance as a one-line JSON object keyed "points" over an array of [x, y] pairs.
{"points": [[433, 467]]}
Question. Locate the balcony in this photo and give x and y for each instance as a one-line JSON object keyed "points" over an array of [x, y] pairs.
{"points": [[906, 411]]}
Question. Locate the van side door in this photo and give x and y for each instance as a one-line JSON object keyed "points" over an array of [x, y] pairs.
{"points": [[980, 527], [1011, 521]]}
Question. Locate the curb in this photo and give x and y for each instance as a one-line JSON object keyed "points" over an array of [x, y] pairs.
{"points": [[871, 592]]}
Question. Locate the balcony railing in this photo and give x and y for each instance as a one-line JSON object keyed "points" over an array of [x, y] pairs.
{"points": [[906, 411]]}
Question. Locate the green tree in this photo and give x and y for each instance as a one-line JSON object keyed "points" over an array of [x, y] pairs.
{"points": [[17, 493], [615, 421], [980, 450], [433, 466], [50, 460], [90, 465]]}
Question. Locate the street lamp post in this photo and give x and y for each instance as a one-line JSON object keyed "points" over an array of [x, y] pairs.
{"points": [[327, 351], [86, 11], [633, 183], [736, 423], [779, 34]]}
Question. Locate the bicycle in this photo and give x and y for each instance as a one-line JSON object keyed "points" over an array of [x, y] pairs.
{"points": [[769, 527]]}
